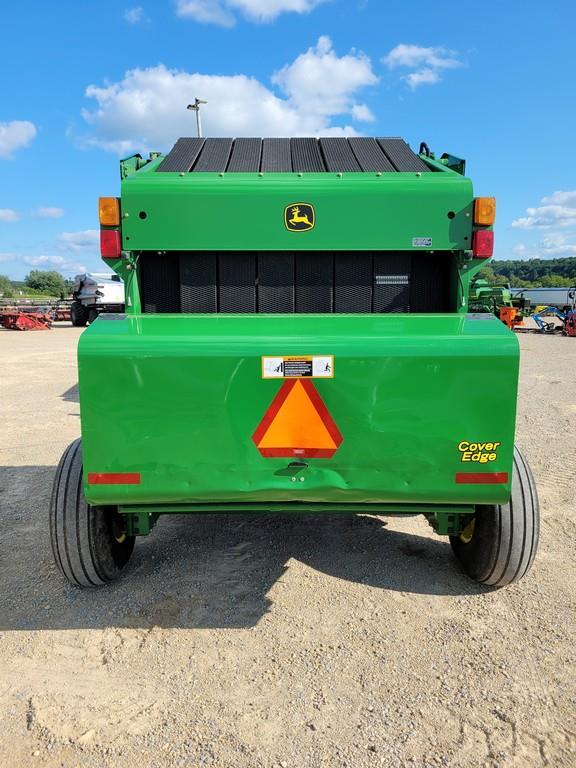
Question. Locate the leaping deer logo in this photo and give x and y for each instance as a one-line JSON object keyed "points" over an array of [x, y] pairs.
{"points": [[299, 217]]}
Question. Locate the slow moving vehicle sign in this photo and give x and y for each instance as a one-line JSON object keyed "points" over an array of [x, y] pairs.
{"points": [[297, 424]]}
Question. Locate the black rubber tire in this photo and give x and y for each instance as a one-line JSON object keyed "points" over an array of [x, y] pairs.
{"points": [[505, 537], [78, 314], [85, 540], [92, 315]]}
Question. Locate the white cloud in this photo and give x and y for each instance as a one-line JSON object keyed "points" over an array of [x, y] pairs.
{"points": [[267, 10], [414, 56], [554, 246], [561, 198], [8, 215], [205, 12], [58, 263], [147, 108], [557, 246], [362, 113], [319, 82], [558, 210], [43, 261], [426, 64], [546, 216], [49, 213], [76, 242], [64, 255], [135, 16], [15, 135], [223, 12], [422, 77]]}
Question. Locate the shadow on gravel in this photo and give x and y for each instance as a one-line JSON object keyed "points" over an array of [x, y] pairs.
{"points": [[206, 571], [71, 395]]}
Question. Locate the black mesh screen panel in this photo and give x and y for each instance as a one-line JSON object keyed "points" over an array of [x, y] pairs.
{"points": [[304, 282], [430, 285], [237, 282], [314, 277], [353, 279], [198, 282], [392, 282], [275, 282], [159, 277]]}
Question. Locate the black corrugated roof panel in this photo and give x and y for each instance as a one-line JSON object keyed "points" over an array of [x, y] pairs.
{"points": [[306, 157], [338, 155], [245, 157], [182, 156], [276, 157], [401, 156], [214, 156], [297, 155], [370, 155]]}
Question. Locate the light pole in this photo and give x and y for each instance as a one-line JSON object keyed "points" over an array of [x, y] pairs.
{"points": [[196, 108]]}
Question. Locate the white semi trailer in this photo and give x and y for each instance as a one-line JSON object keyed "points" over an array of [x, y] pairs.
{"points": [[95, 292], [550, 297]]}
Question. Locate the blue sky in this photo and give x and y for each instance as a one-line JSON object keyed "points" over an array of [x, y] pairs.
{"points": [[86, 81]]}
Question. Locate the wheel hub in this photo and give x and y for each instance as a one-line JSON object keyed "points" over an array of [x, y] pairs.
{"points": [[468, 532]]}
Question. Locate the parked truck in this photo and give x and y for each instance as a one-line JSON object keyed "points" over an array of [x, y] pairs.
{"points": [[93, 293], [296, 339]]}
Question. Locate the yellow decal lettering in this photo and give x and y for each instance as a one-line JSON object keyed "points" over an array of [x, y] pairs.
{"points": [[479, 453]]}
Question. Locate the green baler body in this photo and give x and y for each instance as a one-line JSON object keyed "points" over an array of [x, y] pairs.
{"points": [[354, 211], [176, 398]]}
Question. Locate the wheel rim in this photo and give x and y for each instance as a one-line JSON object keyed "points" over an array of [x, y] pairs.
{"points": [[118, 529], [468, 532]]}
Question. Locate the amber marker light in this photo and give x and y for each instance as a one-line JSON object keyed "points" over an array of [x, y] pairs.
{"points": [[109, 211], [484, 211]]}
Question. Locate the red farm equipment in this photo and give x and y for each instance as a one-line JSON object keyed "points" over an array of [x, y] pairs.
{"points": [[17, 319]]}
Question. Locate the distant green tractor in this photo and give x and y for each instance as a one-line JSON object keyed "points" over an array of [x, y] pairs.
{"points": [[498, 299], [296, 339]]}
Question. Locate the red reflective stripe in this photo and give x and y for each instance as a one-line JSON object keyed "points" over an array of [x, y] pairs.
{"points": [[481, 478], [114, 478], [295, 453]]}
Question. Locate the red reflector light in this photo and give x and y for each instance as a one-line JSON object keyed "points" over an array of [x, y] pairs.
{"points": [[114, 478], [110, 244], [481, 478], [483, 244]]}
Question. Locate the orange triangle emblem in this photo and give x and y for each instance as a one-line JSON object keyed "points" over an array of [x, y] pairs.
{"points": [[297, 424]]}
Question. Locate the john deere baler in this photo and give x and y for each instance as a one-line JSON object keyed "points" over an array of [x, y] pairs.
{"points": [[296, 338]]}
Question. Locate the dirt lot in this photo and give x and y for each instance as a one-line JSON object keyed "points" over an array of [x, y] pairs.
{"points": [[281, 641]]}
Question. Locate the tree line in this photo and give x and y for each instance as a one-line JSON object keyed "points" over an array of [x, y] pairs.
{"points": [[532, 273], [38, 282]]}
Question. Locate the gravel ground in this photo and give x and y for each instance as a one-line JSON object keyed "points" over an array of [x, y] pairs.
{"points": [[281, 641]]}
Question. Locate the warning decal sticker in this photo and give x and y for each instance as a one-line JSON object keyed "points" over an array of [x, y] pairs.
{"points": [[297, 424], [298, 366]]}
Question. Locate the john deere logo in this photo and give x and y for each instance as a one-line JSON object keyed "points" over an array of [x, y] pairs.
{"points": [[299, 217]]}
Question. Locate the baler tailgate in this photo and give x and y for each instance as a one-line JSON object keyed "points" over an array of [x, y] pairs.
{"points": [[420, 402]]}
